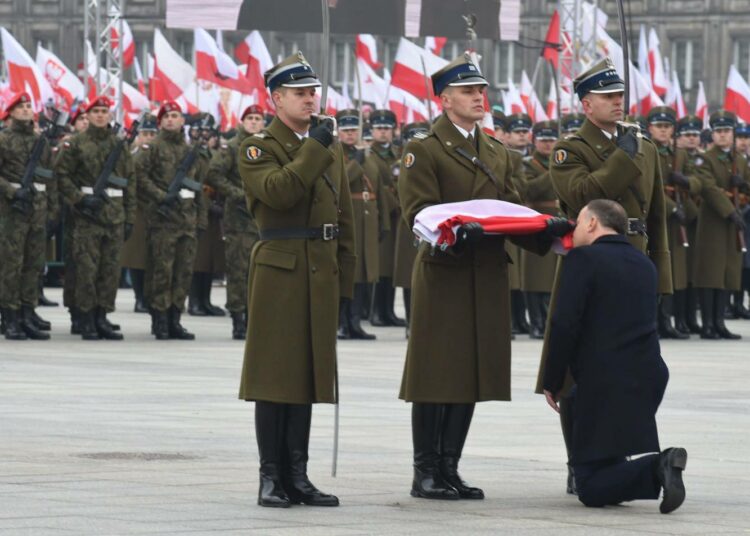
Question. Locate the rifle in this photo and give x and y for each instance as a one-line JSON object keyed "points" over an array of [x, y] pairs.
{"points": [[677, 194], [180, 179], [106, 178], [33, 169], [736, 194]]}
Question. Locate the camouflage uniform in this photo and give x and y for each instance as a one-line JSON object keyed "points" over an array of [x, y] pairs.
{"points": [[172, 239], [22, 236], [240, 231], [96, 239]]}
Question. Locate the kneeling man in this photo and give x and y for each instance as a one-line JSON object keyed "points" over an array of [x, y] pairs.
{"points": [[604, 331]]}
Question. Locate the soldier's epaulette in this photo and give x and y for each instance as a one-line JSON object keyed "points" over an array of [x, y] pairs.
{"points": [[573, 137], [421, 135], [493, 138], [260, 135], [528, 158]]}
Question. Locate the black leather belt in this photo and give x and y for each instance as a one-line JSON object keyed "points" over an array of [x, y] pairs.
{"points": [[328, 231], [636, 227]]}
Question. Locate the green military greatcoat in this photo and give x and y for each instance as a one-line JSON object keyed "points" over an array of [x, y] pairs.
{"points": [[588, 165], [380, 163], [295, 284], [718, 262], [538, 272], [459, 346]]}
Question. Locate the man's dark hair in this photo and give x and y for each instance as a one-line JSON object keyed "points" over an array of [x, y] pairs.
{"points": [[610, 214]]}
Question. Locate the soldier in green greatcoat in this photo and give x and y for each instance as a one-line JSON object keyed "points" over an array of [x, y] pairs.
{"points": [[240, 230], [718, 266], [459, 345], [101, 221], [538, 272], [24, 213], [598, 162], [370, 222], [298, 192]]}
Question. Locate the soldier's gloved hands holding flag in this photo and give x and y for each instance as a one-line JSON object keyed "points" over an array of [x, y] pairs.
{"points": [[559, 227], [323, 133]]}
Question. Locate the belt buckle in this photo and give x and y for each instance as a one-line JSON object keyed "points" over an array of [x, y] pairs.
{"points": [[365, 196], [329, 231]]}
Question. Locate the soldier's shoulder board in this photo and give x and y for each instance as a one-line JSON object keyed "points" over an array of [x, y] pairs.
{"points": [[493, 138], [421, 136], [528, 159], [260, 135]]}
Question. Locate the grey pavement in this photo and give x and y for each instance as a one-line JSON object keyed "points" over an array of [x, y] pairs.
{"points": [[148, 437]]}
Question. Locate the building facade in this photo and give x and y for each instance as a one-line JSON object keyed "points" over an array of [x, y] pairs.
{"points": [[699, 38]]}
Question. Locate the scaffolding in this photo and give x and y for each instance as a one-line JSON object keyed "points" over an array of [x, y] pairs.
{"points": [[100, 18], [578, 35]]}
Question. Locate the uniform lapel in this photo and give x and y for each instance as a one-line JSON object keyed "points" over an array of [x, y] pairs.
{"points": [[595, 138], [488, 155], [451, 139], [285, 137]]}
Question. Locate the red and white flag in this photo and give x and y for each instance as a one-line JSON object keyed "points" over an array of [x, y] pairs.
{"points": [[550, 51], [643, 64], [530, 99], [174, 73], [366, 50], [371, 87], [23, 72], [156, 90], [552, 101], [737, 96], [435, 44], [674, 97], [253, 53], [701, 104], [412, 69], [63, 81], [659, 80], [512, 102], [215, 66], [128, 54], [139, 76]]}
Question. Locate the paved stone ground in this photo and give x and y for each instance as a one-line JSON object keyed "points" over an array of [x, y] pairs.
{"points": [[147, 437]]}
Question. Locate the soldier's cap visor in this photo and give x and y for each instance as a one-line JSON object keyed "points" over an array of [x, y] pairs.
{"points": [[295, 75]]}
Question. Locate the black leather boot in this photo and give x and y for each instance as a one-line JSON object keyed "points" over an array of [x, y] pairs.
{"points": [[390, 300], [270, 419], [239, 325], [535, 305], [138, 279], [518, 311], [13, 331], [456, 423], [721, 297], [87, 326], [344, 332], [666, 330], [29, 328], [75, 321], [176, 331], [296, 483], [104, 328], [566, 423], [377, 314], [40, 323], [355, 319], [195, 296], [691, 311], [679, 302], [426, 429], [43, 301], [708, 331], [110, 325], [160, 325], [738, 305], [207, 284]]}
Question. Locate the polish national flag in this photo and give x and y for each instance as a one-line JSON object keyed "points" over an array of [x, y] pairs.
{"points": [[128, 54], [406, 106], [412, 69], [23, 73], [175, 74], [643, 64], [435, 44], [737, 96], [215, 66], [552, 101], [139, 76], [373, 87], [156, 90], [366, 50], [253, 53], [701, 104], [658, 77], [530, 99], [512, 102], [674, 97], [63, 81]]}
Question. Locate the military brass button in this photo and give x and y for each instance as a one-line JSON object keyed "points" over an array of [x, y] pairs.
{"points": [[314, 269]]}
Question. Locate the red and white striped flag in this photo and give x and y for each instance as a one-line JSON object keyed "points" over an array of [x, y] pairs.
{"points": [[252, 52], [174, 73], [435, 44], [701, 104], [128, 54], [659, 81], [63, 81], [412, 69], [737, 96], [365, 49], [674, 97], [23, 72]]}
